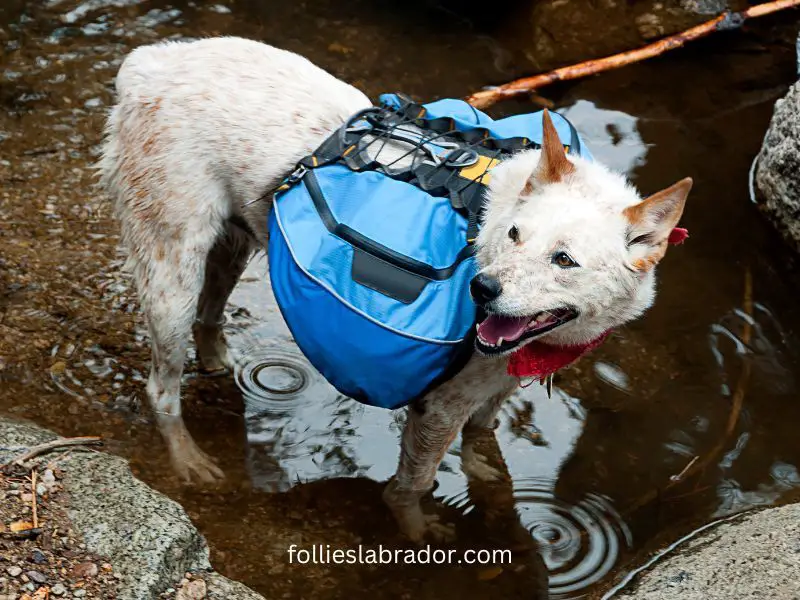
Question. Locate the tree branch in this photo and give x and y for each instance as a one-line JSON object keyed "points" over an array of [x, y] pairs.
{"points": [[722, 22]]}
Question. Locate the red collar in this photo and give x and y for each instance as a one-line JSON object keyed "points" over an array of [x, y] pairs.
{"points": [[540, 360]]}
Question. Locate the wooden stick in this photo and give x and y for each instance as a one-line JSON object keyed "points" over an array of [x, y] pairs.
{"points": [[733, 417], [33, 501], [685, 470], [49, 446], [722, 22]]}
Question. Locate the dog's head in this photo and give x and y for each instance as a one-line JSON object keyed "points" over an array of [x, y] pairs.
{"points": [[567, 249]]}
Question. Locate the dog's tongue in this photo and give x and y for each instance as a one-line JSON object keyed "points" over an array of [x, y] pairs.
{"points": [[495, 327], [538, 360]]}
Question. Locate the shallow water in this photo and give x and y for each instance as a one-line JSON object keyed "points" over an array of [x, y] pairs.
{"points": [[593, 468]]}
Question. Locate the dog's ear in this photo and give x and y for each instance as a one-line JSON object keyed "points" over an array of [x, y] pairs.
{"points": [[553, 164], [651, 222]]}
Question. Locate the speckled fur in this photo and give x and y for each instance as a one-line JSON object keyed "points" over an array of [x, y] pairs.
{"points": [[203, 129]]}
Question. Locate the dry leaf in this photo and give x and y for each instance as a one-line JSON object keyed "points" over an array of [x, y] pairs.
{"points": [[490, 573], [58, 368], [17, 526], [43, 593]]}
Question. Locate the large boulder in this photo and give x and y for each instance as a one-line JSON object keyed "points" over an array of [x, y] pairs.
{"points": [[776, 174], [756, 556]]}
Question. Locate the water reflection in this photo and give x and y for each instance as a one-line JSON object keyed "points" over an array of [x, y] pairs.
{"points": [[612, 136], [759, 340]]}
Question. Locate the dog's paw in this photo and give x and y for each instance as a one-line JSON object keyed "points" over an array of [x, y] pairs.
{"points": [[428, 528], [193, 465], [436, 531], [212, 351], [218, 371], [475, 467]]}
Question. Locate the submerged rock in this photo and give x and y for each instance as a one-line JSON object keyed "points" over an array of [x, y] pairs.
{"points": [[776, 176], [567, 31]]}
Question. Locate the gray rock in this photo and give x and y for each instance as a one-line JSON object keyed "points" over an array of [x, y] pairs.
{"points": [[777, 168], [147, 537], [755, 557], [705, 7], [222, 588], [192, 590], [36, 577], [14, 571], [58, 589]]}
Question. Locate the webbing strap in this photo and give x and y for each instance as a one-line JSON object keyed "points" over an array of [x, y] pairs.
{"points": [[461, 175]]}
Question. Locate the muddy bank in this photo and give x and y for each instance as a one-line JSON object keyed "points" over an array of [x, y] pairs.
{"points": [[147, 538]]}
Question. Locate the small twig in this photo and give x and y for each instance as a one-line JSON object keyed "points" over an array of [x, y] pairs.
{"points": [[680, 475], [50, 446], [33, 500], [52, 464], [722, 22], [699, 465]]}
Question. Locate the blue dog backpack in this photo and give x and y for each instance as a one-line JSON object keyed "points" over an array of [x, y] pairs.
{"points": [[371, 242]]}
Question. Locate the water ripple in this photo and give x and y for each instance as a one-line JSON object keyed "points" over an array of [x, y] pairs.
{"points": [[580, 543]]}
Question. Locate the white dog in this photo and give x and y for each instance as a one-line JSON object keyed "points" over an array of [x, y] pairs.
{"points": [[567, 249]]}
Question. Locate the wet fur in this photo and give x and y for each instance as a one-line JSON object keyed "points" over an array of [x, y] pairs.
{"points": [[202, 129]]}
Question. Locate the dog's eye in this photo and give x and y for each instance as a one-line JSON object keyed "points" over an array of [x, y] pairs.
{"points": [[564, 260], [513, 233]]}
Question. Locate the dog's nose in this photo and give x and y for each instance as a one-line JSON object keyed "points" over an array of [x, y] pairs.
{"points": [[484, 288]]}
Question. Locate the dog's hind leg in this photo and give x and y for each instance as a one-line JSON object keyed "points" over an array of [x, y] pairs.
{"points": [[225, 264], [169, 276]]}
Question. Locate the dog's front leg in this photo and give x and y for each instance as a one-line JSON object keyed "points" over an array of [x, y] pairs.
{"points": [[481, 424], [428, 433]]}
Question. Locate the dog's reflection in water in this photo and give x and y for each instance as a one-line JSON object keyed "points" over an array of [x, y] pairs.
{"points": [[493, 524]]}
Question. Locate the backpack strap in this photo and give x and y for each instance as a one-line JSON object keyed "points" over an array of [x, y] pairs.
{"points": [[461, 174]]}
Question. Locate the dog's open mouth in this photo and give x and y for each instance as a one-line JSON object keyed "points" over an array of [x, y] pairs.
{"points": [[497, 334]]}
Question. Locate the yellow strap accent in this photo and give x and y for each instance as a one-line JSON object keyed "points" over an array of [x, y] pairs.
{"points": [[285, 186], [480, 170], [314, 161], [566, 148], [349, 150], [421, 113]]}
